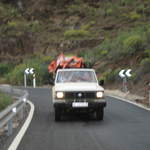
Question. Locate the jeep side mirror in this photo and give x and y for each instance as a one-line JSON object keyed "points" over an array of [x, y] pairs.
{"points": [[101, 82], [51, 82]]}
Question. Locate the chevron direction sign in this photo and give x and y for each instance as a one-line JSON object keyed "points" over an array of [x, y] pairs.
{"points": [[29, 71], [125, 73]]}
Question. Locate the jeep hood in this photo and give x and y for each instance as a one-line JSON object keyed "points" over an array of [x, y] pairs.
{"points": [[78, 87]]}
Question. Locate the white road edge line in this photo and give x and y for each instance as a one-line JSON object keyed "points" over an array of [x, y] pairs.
{"points": [[24, 128], [128, 101]]}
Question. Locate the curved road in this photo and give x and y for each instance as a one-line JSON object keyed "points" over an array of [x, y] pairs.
{"points": [[125, 127]]}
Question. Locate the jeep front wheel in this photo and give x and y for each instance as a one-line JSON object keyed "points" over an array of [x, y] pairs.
{"points": [[100, 114], [57, 114]]}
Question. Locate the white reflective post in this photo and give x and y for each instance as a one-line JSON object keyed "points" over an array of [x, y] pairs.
{"points": [[125, 84], [29, 71], [34, 81], [10, 127], [124, 74], [149, 92], [25, 80]]}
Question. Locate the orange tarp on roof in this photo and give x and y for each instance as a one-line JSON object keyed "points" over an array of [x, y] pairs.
{"points": [[65, 62]]}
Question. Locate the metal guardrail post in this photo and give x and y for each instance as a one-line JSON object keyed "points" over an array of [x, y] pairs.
{"points": [[125, 88], [12, 91], [149, 93], [10, 127], [21, 113], [17, 108]]}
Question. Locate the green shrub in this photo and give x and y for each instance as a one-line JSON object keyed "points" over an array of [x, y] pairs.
{"points": [[12, 11], [125, 44], [88, 26], [127, 2], [134, 16], [75, 34], [8, 11], [145, 62], [90, 57], [111, 75], [133, 43], [34, 26], [144, 67], [46, 59], [105, 75], [16, 77], [140, 9], [12, 24], [109, 12], [103, 53], [5, 68], [5, 100], [147, 52], [106, 45], [78, 2], [74, 9], [82, 10], [148, 35]]}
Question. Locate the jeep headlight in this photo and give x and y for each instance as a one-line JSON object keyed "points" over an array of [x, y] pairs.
{"points": [[99, 94], [60, 95]]}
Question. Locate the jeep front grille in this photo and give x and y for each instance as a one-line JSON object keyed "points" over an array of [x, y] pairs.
{"points": [[80, 95]]}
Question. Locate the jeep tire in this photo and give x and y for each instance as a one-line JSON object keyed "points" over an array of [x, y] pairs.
{"points": [[57, 114], [100, 114]]}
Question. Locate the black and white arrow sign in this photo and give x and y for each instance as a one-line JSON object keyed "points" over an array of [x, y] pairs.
{"points": [[32, 71], [128, 73], [121, 74], [125, 73], [29, 71]]}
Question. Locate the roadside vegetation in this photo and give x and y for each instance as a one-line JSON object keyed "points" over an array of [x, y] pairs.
{"points": [[5, 100], [109, 35], [40, 64]]}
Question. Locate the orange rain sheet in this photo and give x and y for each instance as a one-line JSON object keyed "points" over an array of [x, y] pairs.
{"points": [[65, 62]]}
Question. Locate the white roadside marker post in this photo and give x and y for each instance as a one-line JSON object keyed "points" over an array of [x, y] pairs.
{"points": [[32, 71], [149, 92], [34, 81], [25, 80], [10, 127], [125, 88], [124, 74], [10, 123], [27, 72]]}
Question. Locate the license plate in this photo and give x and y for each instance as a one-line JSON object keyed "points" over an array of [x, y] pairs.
{"points": [[79, 104]]}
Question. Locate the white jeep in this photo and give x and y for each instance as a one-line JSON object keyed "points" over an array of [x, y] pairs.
{"points": [[78, 90]]}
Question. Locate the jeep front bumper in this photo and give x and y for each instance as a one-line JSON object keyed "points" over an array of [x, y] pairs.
{"points": [[91, 105]]}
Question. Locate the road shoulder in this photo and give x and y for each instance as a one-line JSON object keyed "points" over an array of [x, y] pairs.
{"points": [[16, 141], [127, 97]]}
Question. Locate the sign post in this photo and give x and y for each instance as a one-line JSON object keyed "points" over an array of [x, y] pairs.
{"points": [[124, 74], [27, 72], [125, 88], [25, 80], [149, 92], [34, 81]]}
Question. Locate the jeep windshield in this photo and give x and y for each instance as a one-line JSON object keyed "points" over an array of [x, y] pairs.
{"points": [[76, 76]]}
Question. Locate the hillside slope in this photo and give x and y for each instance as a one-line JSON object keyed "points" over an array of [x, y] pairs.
{"points": [[110, 35]]}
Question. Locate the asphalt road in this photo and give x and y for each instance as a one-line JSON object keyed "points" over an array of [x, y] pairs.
{"points": [[125, 127]]}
